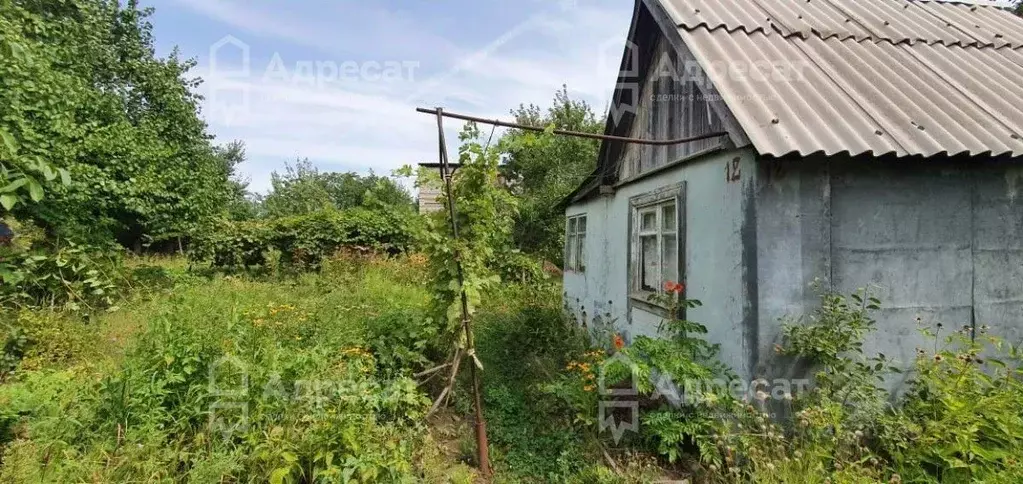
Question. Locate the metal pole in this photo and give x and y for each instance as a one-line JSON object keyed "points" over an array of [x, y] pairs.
{"points": [[482, 445], [577, 134]]}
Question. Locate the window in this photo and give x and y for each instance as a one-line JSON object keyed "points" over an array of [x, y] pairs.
{"points": [[575, 244], [657, 234]]}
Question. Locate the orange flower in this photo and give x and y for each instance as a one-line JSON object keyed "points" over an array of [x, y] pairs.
{"points": [[619, 342], [672, 287]]}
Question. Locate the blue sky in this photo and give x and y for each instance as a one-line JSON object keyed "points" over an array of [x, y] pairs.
{"points": [[337, 81]]}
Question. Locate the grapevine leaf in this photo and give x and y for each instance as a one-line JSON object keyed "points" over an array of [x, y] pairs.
{"points": [[14, 185]]}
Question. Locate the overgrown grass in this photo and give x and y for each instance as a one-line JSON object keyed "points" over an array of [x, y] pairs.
{"points": [[303, 380], [299, 379], [525, 344]]}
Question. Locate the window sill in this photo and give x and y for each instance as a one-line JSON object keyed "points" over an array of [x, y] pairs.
{"points": [[640, 299]]}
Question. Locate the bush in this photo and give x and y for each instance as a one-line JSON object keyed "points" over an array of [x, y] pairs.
{"points": [[302, 242], [523, 342], [962, 418], [65, 275], [960, 421]]}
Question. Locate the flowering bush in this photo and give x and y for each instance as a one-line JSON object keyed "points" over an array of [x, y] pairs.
{"points": [[676, 417], [578, 386]]}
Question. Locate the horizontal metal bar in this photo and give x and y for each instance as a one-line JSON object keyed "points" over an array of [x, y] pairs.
{"points": [[576, 134]]}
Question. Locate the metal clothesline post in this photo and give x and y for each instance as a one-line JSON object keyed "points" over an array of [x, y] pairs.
{"points": [[482, 444]]}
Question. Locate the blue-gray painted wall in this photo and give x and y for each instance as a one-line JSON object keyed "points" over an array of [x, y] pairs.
{"points": [[714, 258], [942, 242]]}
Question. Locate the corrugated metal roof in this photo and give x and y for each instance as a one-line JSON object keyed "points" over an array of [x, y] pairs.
{"points": [[917, 92], [893, 21]]}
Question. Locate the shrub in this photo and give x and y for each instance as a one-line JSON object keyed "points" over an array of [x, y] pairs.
{"points": [[302, 242], [67, 275], [960, 421], [676, 418], [829, 440], [962, 418], [524, 341]]}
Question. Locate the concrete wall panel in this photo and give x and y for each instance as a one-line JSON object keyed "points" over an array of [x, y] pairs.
{"points": [[937, 243]]}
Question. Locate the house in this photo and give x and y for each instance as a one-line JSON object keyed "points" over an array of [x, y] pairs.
{"points": [[862, 144], [431, 188]]}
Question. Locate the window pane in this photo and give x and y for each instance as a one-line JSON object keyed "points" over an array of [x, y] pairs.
{"points": [[649, 221], [669, 257], [571, 226], [581, 251], [649, 265], [570, 256], [582, 225], [668, 218]]}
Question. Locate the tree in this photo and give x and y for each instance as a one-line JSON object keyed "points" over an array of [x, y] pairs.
{"points": [[547, 168], [240, 204], [303, 189], [87, 102]]}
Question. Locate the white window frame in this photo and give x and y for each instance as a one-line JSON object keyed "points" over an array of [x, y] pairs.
{"points": [[575, 243], [655, 203]]}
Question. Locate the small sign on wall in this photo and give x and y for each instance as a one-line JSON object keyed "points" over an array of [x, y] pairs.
{"points": [[733, 170]]}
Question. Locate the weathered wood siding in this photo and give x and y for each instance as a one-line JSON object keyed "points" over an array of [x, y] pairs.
{"points": [[430, 199], [671, 105]]}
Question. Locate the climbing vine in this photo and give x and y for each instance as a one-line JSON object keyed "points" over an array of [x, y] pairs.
{"points": [[485, 213]]}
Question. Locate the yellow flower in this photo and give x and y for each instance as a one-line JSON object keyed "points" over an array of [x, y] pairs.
{"points": [[589, 388]]}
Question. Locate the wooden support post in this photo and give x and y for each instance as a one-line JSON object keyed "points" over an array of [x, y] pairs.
{"points": [[482, 445]]}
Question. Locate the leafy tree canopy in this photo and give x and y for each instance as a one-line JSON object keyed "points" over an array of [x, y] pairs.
{"points": [[101, 139], [303, 189], [547, 168]]}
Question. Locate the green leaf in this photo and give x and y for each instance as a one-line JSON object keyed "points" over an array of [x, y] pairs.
{"points": [[65, 176], [279, 474], [17, 51], [9, 142], [35, 190], [14, 185], [8, 201], [48, 172]]}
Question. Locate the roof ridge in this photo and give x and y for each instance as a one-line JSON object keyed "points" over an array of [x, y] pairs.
{"points": [[847, 36], [895, 21]]}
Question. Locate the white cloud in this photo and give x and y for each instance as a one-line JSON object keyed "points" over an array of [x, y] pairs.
{"points": [[359, 126]]}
